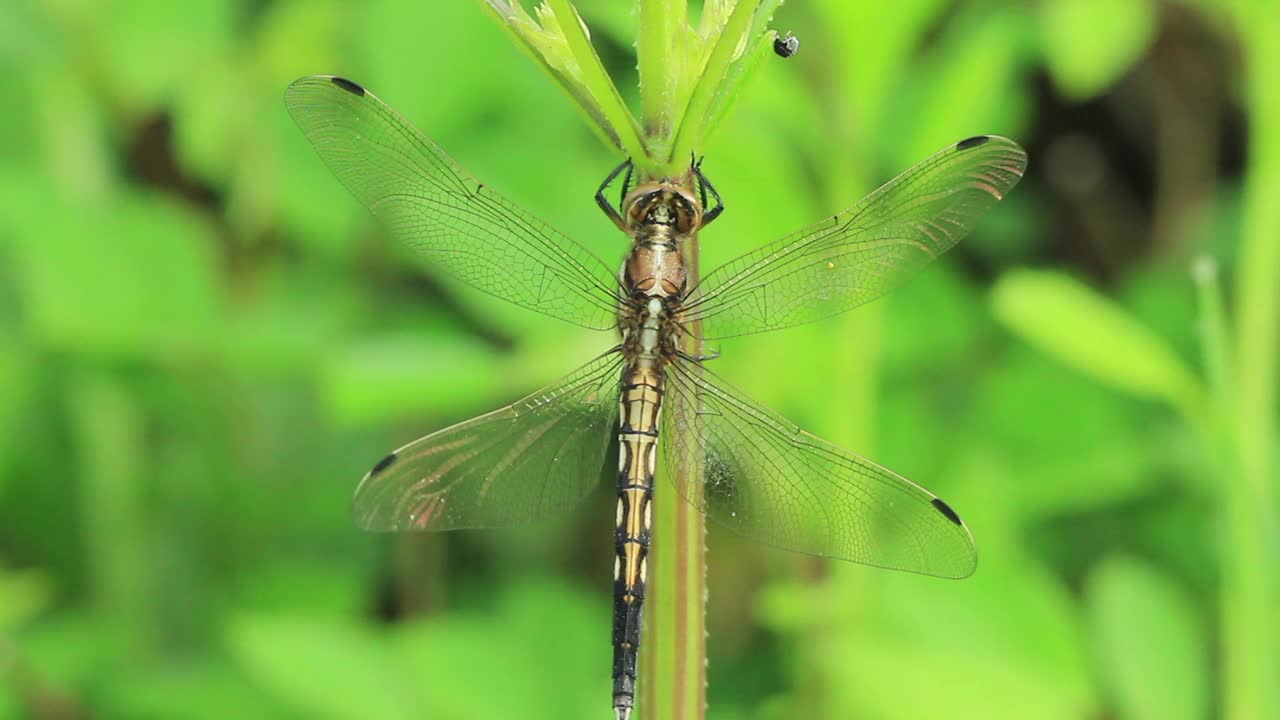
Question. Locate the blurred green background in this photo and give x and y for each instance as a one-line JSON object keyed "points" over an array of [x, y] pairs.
{"points": [[204, 343]]}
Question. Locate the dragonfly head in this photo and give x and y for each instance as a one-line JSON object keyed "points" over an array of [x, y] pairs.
{"points": [[664, 204]]}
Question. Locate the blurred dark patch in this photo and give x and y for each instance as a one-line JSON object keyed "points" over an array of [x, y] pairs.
{"points": [[754, 672], [385, 605], [399, 286], [1126, 171], [1073, 544], [619, 59], [252, 13], [150, 160]]}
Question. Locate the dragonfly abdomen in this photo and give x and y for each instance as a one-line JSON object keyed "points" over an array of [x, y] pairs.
{"points": [[640, 406]]}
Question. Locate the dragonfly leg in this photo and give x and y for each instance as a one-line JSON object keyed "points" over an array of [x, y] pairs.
{"points": [[603, 201], [705, 187], [698, 358], [626, 183]]}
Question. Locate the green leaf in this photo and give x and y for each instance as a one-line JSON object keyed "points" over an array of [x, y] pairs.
{"points": [[70, 648], [932, 322], [968, 85], [873, 636], [22, 596], [1081, 328], [9, 706], [533, 623], [325, 669], [1105, 459], [196, 689], [872, 68], [17, 372], [559, 42], [150, 48], [129, 279], [376, 378], [884, 680], [1149, 642], [1089, 44]]}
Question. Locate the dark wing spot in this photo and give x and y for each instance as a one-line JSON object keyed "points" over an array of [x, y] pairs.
{"points": [[354, 89], [383, 464], [973, 142], [946, 510]]}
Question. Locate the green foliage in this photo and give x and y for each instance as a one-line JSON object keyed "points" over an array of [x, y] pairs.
{"points": [[1149, 645], [1089, 44], [440, 670], [1085, 330], [689, 75]]}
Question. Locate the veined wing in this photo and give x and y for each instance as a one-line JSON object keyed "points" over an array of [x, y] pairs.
{"points": [[863, 252], [532, 459], [432, 204], [766, 479]]}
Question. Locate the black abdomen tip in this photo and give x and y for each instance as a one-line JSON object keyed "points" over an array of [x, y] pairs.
{"points": [[947, 512], [350, 87], [973, 142], [383, 464]]}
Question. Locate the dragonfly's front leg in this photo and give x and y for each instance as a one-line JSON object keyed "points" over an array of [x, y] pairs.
{"points": [[603, 201], [706, 186]]}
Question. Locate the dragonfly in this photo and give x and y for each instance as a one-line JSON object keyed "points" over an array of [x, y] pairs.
{"points": [[741, 464]]}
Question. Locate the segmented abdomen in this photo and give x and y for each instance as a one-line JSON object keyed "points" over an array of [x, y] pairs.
{"points": [[641, 405]]}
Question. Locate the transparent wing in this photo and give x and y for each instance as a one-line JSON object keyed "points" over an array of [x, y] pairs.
{"points": [[766, 479], [432, 204], [863, 252], [532, 459]]}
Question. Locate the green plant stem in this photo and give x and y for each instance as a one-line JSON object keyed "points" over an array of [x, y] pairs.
{"points": [[662, 55], [1215, 347], [681, 99], [692, 125], [1215, 342], [596, 80], [673, 662], [516, 23], [108, 434], [733, 82], [593, 93], [1249, 573], [673, 681]]}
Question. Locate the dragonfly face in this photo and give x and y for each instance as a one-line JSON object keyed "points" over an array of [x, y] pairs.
{"points": [[665, 205], [744, 466]]}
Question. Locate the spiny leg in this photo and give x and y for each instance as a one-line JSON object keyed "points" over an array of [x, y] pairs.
{"points": [[603, 201], [626, 183], [705, 185]]}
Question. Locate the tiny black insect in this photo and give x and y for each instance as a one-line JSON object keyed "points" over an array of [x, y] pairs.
{"points": [[787, 45]]}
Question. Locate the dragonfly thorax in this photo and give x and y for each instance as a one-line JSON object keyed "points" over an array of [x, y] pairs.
{"points": [[650, 330], [655, 267]]}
